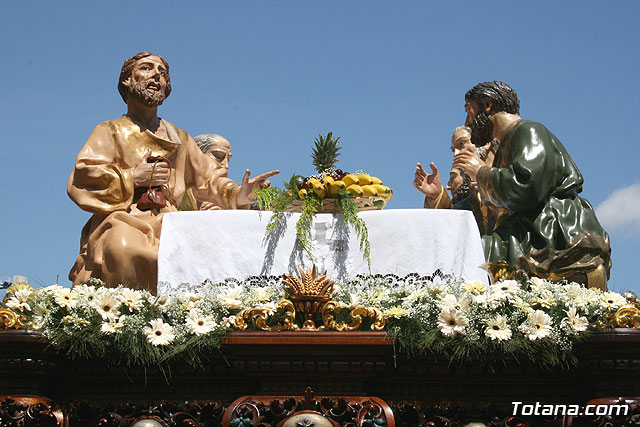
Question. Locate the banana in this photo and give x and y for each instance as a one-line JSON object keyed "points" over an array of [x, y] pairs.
{"points": [[382, 189], [328, 181], [376, 181], [388, 195], [369, 191], [320, 192], [313, 181], [336, 187], [355, 190], [302, 193], [364, 179], [350, 180]]}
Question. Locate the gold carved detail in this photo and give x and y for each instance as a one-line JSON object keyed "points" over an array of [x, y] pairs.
{"points": [[357, 315], [261, 317], [628, 316], [11, 320], [309, 293]]}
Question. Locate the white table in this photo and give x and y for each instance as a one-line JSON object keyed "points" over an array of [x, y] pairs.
{"points": [[219, 245]]}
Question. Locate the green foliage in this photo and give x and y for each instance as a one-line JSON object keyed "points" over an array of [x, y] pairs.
{"points": [[350, 211], [303, 226], [325, 152]]}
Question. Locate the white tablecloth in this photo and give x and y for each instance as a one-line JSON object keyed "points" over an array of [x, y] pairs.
{"points": [[218, 245]]}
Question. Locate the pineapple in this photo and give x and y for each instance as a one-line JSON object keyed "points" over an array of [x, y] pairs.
{"points": [[325, 153]]}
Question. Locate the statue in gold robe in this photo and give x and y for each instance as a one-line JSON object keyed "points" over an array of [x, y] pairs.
{"points": [[119, 243]]}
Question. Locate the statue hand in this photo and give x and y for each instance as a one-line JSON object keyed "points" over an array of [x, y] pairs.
{"points": [[428, 184], [209, 206], [469, 162], [144, 175], [245, 195]]}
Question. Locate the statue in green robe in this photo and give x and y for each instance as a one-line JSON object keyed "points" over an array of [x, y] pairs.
{"points": [[532, 218]]}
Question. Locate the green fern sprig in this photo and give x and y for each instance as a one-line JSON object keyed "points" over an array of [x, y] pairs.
{"points": [[303, 226], [350, 211]]}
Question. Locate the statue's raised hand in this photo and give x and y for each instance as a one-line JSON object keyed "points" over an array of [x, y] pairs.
{"points": [[245, 195], [428, 184]]}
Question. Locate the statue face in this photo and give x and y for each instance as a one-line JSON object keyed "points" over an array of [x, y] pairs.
{"points": [[455, 180], [479, 121], [220, 153], [461, 139], [148, 81]]}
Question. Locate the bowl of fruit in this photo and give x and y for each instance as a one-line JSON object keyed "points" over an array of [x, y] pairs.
{"points": [[330, 185]]}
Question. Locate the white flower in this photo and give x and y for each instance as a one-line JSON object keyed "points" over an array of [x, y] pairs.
{"points": [[19, 300], [612, 300], [498, 329], [450, 301], [451, 322], [573, 288], [505, 289], [51, 289], [575, 321], [416, 294], [231, 297], [475, 287], [65, 298], [112, 326], [270, 308], [537, 325], [106, 305], [199, 324], [159, 333], [354, 301], [190, 301], [435, 289], [537, 283], [131, 298]]}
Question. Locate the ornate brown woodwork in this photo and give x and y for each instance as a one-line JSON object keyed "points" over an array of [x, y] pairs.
{"points": [[352, 366]]}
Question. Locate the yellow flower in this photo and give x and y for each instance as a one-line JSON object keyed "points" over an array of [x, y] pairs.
{"points": [[475, 287], [396, 312]]}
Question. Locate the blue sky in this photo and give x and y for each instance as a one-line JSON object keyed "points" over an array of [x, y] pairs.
{"points": [[387, 77]]}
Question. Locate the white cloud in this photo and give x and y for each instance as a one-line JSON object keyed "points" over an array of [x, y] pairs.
{"points": [[620, 212]]}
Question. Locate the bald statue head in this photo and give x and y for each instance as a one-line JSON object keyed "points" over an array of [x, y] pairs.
{"points": [[217, 147]]}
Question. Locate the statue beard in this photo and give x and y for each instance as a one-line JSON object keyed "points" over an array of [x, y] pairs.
{"points": [[148, 96], [464, 190], [481, 129]]}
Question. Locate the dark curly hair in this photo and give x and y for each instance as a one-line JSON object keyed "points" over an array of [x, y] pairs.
{"points": [[501, 95], [127, 67]]}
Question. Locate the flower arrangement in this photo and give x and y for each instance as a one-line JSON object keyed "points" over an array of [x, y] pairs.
{"points": [[457, 320]]}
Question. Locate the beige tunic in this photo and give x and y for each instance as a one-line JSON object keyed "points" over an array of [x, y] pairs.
{"points": [[119, 243]]}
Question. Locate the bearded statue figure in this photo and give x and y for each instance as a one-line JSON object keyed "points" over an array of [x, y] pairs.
{"points": [[125, 158], [532, 218]]}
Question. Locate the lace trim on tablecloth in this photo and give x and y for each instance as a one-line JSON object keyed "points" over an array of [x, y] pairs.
{"points": [[436, 278]]}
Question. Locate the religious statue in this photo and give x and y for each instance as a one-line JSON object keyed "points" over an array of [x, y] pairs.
{"points": [[218, 149], [527, 205], [134, 169]]}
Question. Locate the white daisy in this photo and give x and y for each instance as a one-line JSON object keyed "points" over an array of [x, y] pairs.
{"points": [[498, 329], [18, 300], [575, 321], [451, 322], [65, 298], [505, 289], [537, 283], [612, 300], [354, 301], [51, 289], [107, 306], [537, 325], [199, 324], [131, 298], [159, 333]]}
